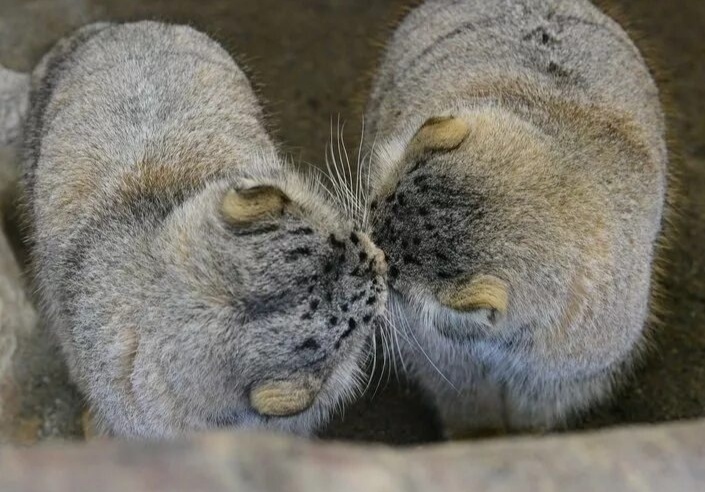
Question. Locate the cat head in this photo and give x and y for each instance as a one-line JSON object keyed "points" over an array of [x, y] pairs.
{"points": [[258, 311], [487, 229]]}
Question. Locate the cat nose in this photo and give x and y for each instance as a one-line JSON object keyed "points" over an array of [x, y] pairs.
{"points": [[379, 263], [379, 259], [284, 398]]}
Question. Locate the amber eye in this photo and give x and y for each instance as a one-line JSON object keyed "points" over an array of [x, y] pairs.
{"points": [[482, 292], [249, 205]]}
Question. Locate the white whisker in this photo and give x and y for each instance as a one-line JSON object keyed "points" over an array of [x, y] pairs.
{"points": [[369, 215], [402, 315], [384, 362], [374, 364]]}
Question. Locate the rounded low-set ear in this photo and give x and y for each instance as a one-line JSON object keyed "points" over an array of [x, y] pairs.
{"points": [[483, 293], [440, 133], [249, 205], [283, 398]]}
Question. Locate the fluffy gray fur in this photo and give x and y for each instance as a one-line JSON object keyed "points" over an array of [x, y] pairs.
{"points": [[170, 309], [542, 166]]}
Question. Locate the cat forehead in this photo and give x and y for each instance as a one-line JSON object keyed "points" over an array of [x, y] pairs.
{"points": [[461, 137]]}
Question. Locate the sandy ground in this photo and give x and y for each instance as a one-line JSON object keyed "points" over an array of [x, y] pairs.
{"points": [[309, 59]]}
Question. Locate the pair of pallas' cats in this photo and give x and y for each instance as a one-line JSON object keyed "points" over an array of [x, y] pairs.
{"points": [[194, 279]]}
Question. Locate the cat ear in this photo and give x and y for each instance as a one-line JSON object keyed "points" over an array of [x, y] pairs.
{"points": [[249, 205], [485, 295], [440, 133]]}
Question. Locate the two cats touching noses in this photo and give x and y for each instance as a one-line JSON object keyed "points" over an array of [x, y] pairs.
{"points": [[501, 235]]}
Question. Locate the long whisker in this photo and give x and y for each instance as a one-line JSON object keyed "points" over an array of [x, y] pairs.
{"points": [[317, 178], [384, 362], [369, 217], [338, 175], [328, 158], [374, 365], [410, 331], [363, 191], [392, 358], [345, 160], [362, 197], [345, 163], [344, 179], [394, 336]]}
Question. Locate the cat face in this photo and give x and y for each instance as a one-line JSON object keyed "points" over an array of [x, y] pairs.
{"points": [[438, 234], [483, 231], [265, 306]]}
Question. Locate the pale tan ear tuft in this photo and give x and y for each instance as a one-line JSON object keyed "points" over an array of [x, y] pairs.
{"points": [[441, 133], [244, 206], [282, 398], [482, 292]]}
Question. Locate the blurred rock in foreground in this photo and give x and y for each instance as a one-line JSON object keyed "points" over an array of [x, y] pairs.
{"points": [[666, 457]]}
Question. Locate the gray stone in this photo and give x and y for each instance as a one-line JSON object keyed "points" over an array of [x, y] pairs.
{"points": [[666, 457], [13, 104]]}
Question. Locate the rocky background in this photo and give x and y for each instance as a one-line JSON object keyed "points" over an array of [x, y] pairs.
{"points": [[310, 60]]}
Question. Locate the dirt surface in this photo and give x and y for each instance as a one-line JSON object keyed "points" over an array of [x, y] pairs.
{"points": [[309, 61]]}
